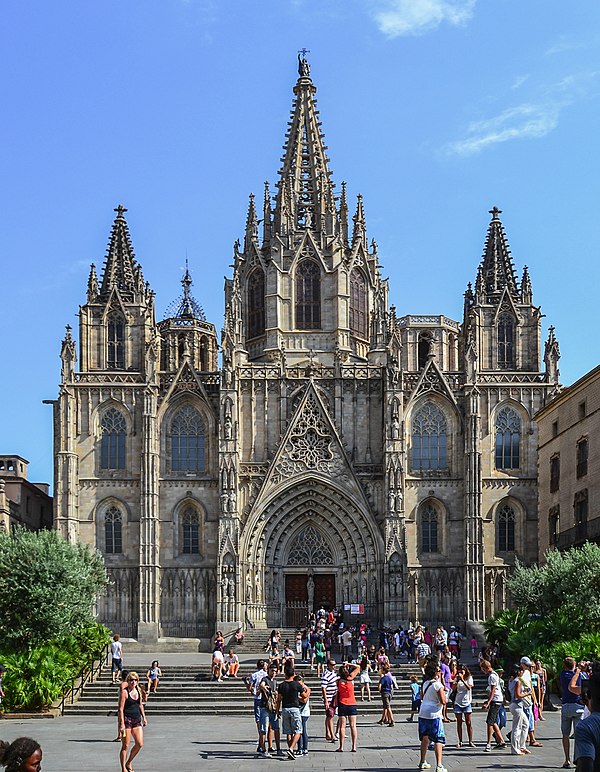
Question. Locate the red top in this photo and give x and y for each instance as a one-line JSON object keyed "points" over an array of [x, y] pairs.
{"points": [[346, 693]]}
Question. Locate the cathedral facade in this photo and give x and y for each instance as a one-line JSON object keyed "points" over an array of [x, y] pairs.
{"points": [[340, 454]]}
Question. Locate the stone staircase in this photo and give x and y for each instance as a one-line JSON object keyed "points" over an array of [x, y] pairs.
{"points": [[186, 690]]}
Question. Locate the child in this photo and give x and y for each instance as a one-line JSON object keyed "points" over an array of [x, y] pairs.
{"points": [[415, 697], [233, 664], [473, 645]]}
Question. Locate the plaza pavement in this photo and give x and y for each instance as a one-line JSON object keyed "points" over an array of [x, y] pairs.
{"points": [[190, 743]]}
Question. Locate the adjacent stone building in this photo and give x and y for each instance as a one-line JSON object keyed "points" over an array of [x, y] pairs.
{"points": [[569, 466], [22, 503], [340, 454]]}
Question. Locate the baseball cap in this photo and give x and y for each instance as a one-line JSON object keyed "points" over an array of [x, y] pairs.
{"points": [[525, 661]]}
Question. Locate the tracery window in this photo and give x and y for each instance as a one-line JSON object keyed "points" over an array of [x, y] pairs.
{"points": [[506, 342], [113, 531], [508, 435], [115, 359], [358, 304], [429, 529], [308, 296], [112, 444], [256, 303], [187, 441], [429, 438], [310, 549], [506, 528], [190, 524]]}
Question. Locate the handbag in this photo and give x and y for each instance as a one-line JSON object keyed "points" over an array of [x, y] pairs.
{"points": [[333, 703]]}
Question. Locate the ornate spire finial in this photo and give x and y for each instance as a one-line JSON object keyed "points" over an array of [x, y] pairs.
{"points": [[495, 212], [303, 65], [120, 210]]}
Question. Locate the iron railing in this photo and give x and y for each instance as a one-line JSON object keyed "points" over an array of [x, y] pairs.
{"points": [[90, 671]]}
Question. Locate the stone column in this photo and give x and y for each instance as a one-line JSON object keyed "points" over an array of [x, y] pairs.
{"points": [[148, 623]]}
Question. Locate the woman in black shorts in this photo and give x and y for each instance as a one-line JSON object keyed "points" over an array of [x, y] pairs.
{"points": [[132, 719]]}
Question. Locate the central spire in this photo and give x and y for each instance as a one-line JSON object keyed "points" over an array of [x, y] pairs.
{"points": [[305, 195]]}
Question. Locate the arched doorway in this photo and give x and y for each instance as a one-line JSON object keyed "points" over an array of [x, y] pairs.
{"points": [[312, 529]]}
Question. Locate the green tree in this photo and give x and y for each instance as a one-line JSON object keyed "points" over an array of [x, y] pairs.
{"points": [[47, 587], [568, 582]]}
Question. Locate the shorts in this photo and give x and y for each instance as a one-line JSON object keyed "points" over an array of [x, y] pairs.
{"points": [[291, 721], [257, 709], [386, 699], [432, 728], [117, 665], [132, 723], [465, 709], [268, 719], [347, 710], [492, 714], [364, 678], [572, 713], [415, 706]]}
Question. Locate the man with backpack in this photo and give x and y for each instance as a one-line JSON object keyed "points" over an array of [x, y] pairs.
{"points": [[269, 719]]}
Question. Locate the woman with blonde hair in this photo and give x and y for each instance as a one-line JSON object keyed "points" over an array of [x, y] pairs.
{"points": [[132, 720]]}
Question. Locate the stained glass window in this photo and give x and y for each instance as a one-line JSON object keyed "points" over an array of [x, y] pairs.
{"points": [[113, 531], [308, 296], [508, 435], [187, 441], [429, 438], [191, 529], [256, 303], [112, 444], [116, 342], [429, 529], [506, 528], [506, 342], [358, 304]]}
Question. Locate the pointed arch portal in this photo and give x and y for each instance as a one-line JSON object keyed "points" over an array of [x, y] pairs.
{"points": [[313, 529]]}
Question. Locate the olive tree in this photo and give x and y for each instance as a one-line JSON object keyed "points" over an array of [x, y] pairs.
{"points": [[47, 587]]}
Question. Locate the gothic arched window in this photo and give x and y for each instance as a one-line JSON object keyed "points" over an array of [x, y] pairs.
{"points": [[429, 529], [506, 342], [113, 531], [310, 549], [115, 359], [308, 296], [256, 303], [187, 441], [505, 525], [423, 348], [190, 525], [429, 438], [358, 304], [508, 435], [112, 443]]}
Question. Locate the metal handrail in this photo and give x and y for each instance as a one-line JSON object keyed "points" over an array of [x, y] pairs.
{"points": [[88, 673]]}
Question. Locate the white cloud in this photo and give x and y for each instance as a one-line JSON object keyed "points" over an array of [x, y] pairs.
{"points": [[415, 17], [529, 120], [526, 121], [519, 80]]}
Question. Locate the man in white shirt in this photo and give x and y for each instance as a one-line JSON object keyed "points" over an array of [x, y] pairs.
{"points": [[492, 705], [347, 644]]}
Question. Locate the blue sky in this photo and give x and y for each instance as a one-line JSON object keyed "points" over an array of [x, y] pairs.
{"points": [[434, 110]]}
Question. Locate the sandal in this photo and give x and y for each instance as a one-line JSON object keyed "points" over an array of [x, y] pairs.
{"points": [[536, 744]]}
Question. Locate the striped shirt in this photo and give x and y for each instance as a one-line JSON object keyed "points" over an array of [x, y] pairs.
{"points": [[329, 681]]}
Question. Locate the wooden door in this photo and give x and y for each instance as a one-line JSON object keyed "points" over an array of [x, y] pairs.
{"points": [[324, 591], [295, 588]]}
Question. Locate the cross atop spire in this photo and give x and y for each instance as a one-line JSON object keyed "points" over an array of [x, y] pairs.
{"points": [[120, 267]]}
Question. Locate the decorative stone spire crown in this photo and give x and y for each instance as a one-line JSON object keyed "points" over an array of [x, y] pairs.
{"points": [[305, 190], [496, 269], [120, 268]]}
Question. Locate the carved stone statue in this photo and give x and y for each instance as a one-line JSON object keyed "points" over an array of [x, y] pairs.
{"points": [[248, 588], [303, 66], [310, 589], [258, 587], [395, 428]]}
